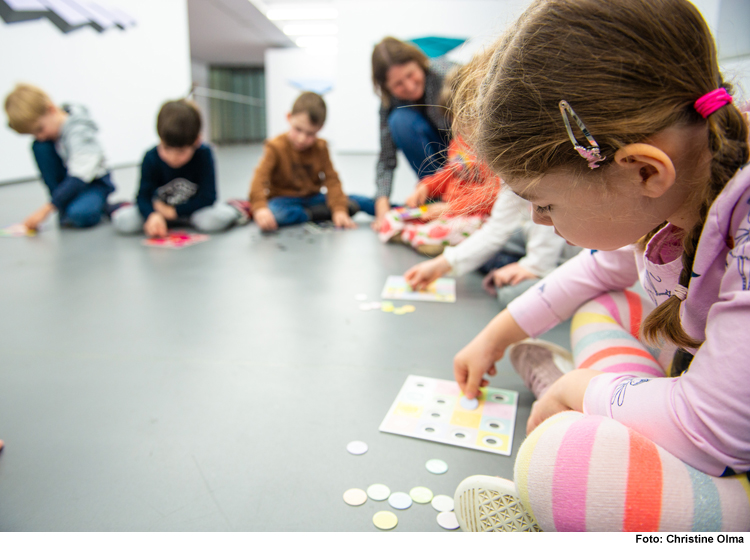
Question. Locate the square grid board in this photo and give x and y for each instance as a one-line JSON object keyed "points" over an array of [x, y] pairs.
{"points": [[430, 409]]}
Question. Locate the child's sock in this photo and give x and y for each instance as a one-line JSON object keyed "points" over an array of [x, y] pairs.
{"points": [[243, 209], [579, 472]]}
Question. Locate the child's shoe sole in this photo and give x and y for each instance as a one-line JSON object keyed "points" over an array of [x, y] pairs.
{"points": [[489, 503]]}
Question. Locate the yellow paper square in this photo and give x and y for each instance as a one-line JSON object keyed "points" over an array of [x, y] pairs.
{"points": [[405, 409], [466, 419]]}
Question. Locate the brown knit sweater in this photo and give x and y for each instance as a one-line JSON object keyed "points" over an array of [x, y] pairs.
{"points": [[283, 171]]}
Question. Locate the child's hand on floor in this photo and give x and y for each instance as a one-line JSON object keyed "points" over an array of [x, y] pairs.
{"points": [[33, 221], [425, 273], [341, 219], [418, 197], [265, 220], [155, 226]]}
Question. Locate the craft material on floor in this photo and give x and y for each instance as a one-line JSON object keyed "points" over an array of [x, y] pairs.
{"points": [[430, 409], [442, 290], [355, 496], [17, 230], [356, 447], [385, 520], [176, 240]]}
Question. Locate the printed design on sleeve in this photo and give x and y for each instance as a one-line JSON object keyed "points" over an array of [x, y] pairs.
{"points": [[738, 253], [653, 287], [176, 192], [618, 397]]}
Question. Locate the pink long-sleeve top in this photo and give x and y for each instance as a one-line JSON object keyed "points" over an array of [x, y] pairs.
{"points": [[702, 417]]}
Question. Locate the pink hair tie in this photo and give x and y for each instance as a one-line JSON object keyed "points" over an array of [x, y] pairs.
{"points": [[712, 101]]}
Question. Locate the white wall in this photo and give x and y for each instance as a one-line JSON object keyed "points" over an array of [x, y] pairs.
{"points": [[283, 65], [199, 72], [122, 76]]}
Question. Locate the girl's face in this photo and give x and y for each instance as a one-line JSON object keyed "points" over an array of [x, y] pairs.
{"points": [[405, 81], [605, 214]]}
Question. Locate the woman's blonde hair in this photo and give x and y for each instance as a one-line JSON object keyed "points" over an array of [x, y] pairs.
{"points": [[393, 52], [630, 69], [24, 106]]}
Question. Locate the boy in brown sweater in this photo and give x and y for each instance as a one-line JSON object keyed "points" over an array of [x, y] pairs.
{"points": [[286, 186]]}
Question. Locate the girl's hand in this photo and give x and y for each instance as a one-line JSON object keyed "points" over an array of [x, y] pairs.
{"points": [[434, 211], [425, 273], [479, 356], [382, 207], [564, 394], [418, 197]]}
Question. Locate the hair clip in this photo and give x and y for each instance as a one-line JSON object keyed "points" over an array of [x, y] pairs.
{"points": [[592, 154], [680, 291]]}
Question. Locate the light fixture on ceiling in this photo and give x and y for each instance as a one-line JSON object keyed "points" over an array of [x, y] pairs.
{"points": [[300, 12], [317, 42], [316, 29]]}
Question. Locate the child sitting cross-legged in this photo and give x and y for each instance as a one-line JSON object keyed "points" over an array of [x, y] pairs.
{"points": [[178, 181], [287, 185]]}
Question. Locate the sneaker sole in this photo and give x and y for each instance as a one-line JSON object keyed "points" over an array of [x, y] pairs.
{"points": [[488, 503], [561, 357]]}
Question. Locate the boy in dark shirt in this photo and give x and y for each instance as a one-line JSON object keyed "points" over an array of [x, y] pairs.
{"points": [[178, 181]]}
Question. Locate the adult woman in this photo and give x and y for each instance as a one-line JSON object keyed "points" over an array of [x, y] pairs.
{"points": [[411, 119]]}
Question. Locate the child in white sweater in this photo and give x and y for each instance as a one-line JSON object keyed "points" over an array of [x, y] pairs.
{"points": [[508, 234]]}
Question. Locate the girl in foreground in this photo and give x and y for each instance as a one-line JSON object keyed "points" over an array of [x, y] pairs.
{"points": [[613, 119]]}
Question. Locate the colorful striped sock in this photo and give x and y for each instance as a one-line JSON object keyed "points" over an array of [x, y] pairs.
{"points": [[605, 336], [577, 472]]}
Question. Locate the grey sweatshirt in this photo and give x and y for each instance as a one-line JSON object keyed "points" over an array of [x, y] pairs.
{"points": [[79, 146]]}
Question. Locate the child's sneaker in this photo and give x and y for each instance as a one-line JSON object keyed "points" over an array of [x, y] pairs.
{"points": [[540, 363], [489, 503], [111, 208], [243, 209]]}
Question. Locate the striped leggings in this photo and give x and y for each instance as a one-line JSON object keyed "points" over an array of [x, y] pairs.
{"points": [[578, 472]]}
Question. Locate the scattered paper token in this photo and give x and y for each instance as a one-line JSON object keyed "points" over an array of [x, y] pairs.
{"points": [[420, 494], [436, 466], [355, 497], [357, 447], [386, 306], [378, 492], [447, 520], [365, 307], [400, 500], [385, 520], [409, 308], [361, 297], [469, 404], [375, 305], [442, 503], [399, 311]]}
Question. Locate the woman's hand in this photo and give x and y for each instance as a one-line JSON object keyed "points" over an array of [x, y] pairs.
{"points": [[425, 273], [382, 207], [564, 394]]}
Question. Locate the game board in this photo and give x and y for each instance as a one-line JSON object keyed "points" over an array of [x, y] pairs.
{"points": [[442, 289], [17, 230], [176, 240], [431, 409]]}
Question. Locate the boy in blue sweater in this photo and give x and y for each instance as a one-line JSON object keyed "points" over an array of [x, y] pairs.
{"points": [[178, 181]]}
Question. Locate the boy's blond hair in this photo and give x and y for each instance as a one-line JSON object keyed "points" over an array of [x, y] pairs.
{"points": [[313, 106], [24, 106]]}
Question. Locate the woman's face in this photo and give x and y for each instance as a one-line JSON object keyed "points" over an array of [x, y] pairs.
{"points": [[405, 81]]}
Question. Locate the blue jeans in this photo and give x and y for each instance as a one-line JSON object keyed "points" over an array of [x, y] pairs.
{"points": [[423, 145], [79, 204], [290, 210]]}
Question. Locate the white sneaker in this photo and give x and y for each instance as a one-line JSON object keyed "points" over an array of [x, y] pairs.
{"points": [[539, 363], [490, 503]]}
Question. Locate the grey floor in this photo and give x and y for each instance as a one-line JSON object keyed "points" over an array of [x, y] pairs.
{"points": [[215, 388]]}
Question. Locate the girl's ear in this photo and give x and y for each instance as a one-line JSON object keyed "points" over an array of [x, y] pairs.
{"points": [[654, 169]]}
